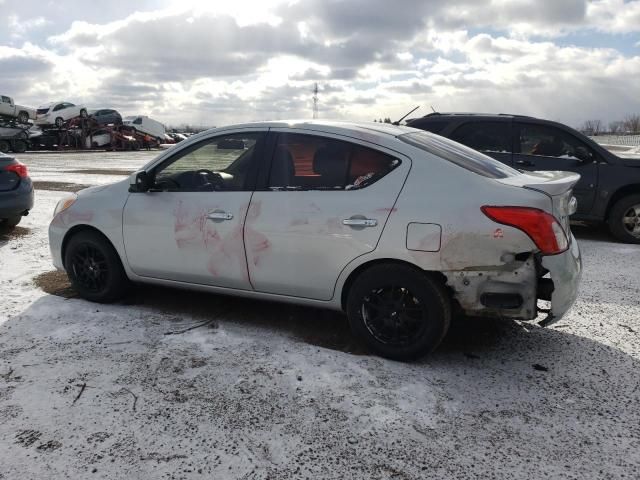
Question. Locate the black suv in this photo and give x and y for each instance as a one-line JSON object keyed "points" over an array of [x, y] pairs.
{"points": [[609, 186]]}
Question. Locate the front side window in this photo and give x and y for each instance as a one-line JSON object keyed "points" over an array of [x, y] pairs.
{"points": [[546, 141], [492, 137], [6, 99], [60, 106], [211, 165], [138, 121], [308, 162]]}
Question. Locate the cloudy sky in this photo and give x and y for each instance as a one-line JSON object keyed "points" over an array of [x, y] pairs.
{"points": [[219, 62]]}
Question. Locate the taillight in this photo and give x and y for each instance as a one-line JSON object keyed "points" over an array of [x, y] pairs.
{"points": [[541, 227], [19, 168]]}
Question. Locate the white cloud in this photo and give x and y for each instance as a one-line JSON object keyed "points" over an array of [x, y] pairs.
{"points": [[217, 63]]}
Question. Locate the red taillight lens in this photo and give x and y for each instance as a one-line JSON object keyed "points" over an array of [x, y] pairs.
{"points": [[543, 228], [19, 168]]}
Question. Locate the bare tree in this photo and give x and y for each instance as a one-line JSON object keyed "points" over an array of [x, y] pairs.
{"points": [[632, 123], [616, 127], [592, 127]]}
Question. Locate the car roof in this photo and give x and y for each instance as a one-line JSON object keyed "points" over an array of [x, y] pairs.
{"points": [[436, 115], [329, 126]]}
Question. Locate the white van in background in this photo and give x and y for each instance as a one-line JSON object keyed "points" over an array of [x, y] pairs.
{"points": [[147, 125]]}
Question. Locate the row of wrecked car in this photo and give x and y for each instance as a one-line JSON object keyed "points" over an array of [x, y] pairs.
{"points": [[57, 114]]}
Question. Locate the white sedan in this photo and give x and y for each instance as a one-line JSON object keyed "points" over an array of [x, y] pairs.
{"points": [[56, 113], [395, 226]]}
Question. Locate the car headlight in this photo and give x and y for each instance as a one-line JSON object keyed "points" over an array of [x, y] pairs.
{"points": [[65, 203]]}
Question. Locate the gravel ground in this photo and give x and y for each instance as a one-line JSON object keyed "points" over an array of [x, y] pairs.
{"points": [[172, 384]]}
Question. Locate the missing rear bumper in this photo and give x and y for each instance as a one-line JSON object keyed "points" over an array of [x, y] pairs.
{"points": [[512, 290]]}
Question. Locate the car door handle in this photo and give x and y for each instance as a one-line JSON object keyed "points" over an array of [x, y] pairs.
{"points": [[360, 222], [525, 163], [220, 216]]}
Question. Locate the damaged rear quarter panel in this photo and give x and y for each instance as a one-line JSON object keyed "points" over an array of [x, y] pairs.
{"points": [[475, 254]]}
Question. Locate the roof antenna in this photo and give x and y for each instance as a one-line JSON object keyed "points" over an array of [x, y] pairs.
{"points": [[398, 122], [434, 110]]}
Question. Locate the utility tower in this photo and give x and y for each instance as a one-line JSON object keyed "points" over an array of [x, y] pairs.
{"points": [[315, 100]]}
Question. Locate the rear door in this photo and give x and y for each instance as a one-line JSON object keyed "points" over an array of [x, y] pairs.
{"points": [[189, 227], [493, 138], [325, 202], [546, 147]]}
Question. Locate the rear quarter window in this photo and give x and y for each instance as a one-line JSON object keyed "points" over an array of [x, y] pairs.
{"points": [[459, 154]]}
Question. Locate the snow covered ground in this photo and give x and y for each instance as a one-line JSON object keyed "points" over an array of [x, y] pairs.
{"points": [[261, 390]]}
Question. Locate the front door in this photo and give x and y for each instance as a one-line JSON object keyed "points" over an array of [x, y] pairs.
{"points": [[326, 203], [189, 226], [544, 147]]}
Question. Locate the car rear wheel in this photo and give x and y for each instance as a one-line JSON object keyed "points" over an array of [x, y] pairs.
{"points": [[624, 219], [83, 113], [23, 117], [398, 311], [59, 121], [94, 268], [4, 146], [10, 223]]}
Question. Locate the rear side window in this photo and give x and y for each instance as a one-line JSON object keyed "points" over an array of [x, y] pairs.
{"points": [[459, 154], [485, 136], [308, 162]]}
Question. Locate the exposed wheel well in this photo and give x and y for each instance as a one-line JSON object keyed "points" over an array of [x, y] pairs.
{"points": [[623, 192], [82, 228], [353, 275]]}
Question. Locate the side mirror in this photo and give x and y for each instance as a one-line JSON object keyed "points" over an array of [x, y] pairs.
{"points": [[584, 155], [140, 182]]}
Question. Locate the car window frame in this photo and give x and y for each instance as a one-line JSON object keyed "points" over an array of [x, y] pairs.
{"points": [[517, 125], [270, 150], [254, 169]]}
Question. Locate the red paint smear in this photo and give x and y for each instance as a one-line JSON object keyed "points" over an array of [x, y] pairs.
{"points": [[81, 216], [386, 210], [226, 251]]}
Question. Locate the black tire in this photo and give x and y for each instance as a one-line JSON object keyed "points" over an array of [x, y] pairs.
{"points": [[94, 268], [19, 146], [409, 303], [83, 113], [8, 224], [59, 122], [623, 224], [23, 117], [4, 146]]}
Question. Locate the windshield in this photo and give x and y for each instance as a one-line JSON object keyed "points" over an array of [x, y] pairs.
{"points": [[458, 154]]}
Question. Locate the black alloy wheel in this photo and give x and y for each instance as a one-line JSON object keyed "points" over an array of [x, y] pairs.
{"points": [[398, 311], [394, 316], [94, 267], [89, 268]]}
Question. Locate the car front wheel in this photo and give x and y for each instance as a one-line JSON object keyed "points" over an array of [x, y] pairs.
{"points": [[398, 311], [94, 268], [83, 113], [624, 219], [59, 121]]}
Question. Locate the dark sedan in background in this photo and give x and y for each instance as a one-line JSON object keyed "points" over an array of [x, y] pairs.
{"points": [[106, 116], [609, 186], [16, 192]]}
